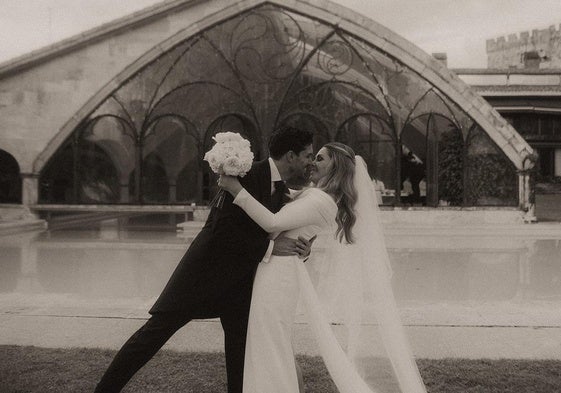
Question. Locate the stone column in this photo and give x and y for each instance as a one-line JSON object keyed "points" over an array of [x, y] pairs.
{"points": [[30, 189], [529, 202], [526, 189], [172, 190], [172, 197], [124, 193]]}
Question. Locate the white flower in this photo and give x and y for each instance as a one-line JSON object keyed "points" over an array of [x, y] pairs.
{"points": [[231, 155], [225, 137]]}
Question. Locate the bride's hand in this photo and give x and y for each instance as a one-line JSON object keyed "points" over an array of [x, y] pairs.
{"points": [[230, 184]]}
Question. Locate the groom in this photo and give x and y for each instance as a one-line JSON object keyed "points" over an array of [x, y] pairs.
{"points": [[215, 276]]}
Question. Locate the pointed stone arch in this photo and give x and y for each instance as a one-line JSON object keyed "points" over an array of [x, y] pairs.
{"points": [[357, 29], [367, 30], [10, 179]]}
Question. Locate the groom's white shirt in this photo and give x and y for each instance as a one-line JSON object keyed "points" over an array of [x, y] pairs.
{"points": [[275, 176]]}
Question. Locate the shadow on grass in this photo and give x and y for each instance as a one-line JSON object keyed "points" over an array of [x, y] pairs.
{"points": [[32, 369]]}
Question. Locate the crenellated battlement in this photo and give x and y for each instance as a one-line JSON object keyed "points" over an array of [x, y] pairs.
{"points": [[540, 48], [525, 38]]}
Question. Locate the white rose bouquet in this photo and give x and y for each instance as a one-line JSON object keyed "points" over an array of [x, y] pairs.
{"points": [[231, 155]]}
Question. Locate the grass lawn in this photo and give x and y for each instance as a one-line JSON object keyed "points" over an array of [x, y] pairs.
{"points": [[32, 369]]}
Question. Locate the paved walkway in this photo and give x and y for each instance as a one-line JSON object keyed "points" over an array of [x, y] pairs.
{"points": [[434, 333], [427, 341]]}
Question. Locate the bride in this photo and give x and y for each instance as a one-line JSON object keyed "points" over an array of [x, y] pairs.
{"points": [[369, 351]]}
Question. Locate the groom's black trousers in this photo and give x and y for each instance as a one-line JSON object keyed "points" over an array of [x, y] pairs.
{"points": [[138, 349], [213, 279], [144, 344]]}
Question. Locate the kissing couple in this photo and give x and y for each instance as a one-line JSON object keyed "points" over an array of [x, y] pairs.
{"points": [[245, 267]]}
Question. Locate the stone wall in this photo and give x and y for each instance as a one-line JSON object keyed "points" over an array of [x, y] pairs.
{"points": [[40, 97], [538, 49]]}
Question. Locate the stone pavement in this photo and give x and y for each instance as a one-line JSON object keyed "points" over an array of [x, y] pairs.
{"points": [[431, 335]]}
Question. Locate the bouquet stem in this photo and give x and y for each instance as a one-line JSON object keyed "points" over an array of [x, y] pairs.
{"points": [[218, 200]]}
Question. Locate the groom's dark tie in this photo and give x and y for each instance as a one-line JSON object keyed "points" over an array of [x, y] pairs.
{"points": [[278, 196]]}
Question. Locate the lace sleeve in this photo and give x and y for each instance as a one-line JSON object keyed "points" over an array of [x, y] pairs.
{"points": [[306, 210]]}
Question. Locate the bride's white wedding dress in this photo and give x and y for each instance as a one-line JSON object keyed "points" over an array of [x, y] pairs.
{"points": [[269, 358], [279, 284]]}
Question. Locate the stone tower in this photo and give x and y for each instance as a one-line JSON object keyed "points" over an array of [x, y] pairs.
{"points": [[539, 50]]}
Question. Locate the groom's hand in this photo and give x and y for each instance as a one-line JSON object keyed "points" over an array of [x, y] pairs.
{"points": [[287, 246], [284, 246], [304, 247], [231, 184]]}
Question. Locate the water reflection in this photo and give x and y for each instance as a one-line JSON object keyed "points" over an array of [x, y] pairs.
{"points": [[542, 275], [89, 263], [10, 266], [108, 263]]}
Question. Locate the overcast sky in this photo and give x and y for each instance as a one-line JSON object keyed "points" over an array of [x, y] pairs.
{"points": [[458, 27]]}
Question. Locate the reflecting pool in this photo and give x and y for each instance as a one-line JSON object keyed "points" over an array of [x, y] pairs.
{"points": [[442, 278]]}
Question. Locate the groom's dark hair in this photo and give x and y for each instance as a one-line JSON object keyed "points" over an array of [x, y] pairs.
{"points": [[288, 138]]}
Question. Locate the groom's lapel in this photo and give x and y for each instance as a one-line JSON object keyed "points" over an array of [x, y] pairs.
{"points": [[259, 183]]}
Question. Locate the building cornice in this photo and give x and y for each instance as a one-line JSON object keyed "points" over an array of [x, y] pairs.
{"points": [[506, 71], [517, 93], [527, 108]]}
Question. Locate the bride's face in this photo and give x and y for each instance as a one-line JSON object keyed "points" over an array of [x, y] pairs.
{"points": [[322, 165]]}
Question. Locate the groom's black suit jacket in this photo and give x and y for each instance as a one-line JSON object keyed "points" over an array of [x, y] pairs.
{"points": [[216, 273]]}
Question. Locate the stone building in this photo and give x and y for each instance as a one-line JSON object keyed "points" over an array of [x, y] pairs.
{"points": [[530, 100], [122, 114], [522, 82], [540, 49]]}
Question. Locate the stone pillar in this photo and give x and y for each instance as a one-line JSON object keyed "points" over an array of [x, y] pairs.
{"points": [[522, 196], [172, 191], [172, 198], [526, 180], [30, 189], [124, 193], [528, 203]]}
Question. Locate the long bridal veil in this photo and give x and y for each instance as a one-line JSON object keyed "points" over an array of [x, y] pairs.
{"points": [[347, 296]]}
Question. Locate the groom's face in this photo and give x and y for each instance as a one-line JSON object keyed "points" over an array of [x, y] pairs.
{"points": [[301, 166]]}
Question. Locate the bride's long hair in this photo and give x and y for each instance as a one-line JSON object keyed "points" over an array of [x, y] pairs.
{"points": [[340, 183]]}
